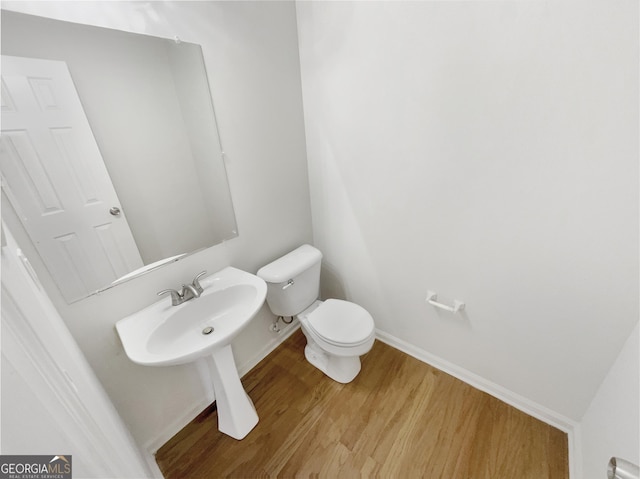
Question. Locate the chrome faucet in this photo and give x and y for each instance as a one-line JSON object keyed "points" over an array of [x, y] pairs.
{"points": [[189, 291]]}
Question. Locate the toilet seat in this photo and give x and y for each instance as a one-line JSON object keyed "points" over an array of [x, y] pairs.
{"points": [[341, 323]]}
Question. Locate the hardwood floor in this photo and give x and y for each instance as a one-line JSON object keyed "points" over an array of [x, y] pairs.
{"points": [[400, 418]]}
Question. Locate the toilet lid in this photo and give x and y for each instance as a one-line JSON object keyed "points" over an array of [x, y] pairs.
{"points": [[341, 322]]}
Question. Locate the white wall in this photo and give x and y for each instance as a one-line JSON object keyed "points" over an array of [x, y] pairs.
{"points": [[251, 57], [487, 151], [611, 425]]}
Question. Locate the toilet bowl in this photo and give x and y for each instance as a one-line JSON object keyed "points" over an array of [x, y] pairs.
{"points": [[338, 332]]}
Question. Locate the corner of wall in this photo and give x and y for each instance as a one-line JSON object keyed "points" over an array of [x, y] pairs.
{"points": [[611, 425]]}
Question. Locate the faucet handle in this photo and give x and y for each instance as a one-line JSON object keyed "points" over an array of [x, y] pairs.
{"points": [[189, 291], [176, 297], [196, 281]]}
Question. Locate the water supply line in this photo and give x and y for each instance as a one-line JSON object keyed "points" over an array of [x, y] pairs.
{"points": [[275, 327]]}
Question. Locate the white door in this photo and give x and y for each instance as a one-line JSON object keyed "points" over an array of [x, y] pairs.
{"points": [[52, 402], [55, 178]]}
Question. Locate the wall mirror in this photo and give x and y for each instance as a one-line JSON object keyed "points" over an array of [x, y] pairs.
{"points": [[110, 156]]}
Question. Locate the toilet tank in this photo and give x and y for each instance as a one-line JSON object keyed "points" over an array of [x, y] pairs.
{"points": [[293, 281]]}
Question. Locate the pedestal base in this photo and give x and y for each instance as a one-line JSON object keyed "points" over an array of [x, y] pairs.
{"points": [[236, 414]]}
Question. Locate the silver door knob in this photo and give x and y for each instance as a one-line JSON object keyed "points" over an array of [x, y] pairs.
{"points": [[115, 211]]}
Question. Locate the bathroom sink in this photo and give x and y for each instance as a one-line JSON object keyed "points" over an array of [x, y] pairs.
{"points": [[203, 327], [163, 335]]}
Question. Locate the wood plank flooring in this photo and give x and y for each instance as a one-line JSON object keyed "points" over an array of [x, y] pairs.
{"points": [[400, 418]]}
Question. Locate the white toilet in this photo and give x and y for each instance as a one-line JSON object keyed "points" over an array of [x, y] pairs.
{"points": [[338, 332]]}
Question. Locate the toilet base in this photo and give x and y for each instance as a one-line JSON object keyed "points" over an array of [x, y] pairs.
{"points": [[342, 369]]}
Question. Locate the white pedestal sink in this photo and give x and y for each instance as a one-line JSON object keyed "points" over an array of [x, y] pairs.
{"points": [[164, 335]]}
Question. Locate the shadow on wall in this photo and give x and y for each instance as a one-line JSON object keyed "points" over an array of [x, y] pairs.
{"points": [[331, 286]]}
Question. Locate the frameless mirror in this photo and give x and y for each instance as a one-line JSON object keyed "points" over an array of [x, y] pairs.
{"points": [[110, 155]]}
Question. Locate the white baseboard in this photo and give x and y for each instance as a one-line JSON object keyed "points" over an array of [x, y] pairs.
{"points": [[175, 426], [575, 452], [252, 362], [150, 459], [521, 403]]}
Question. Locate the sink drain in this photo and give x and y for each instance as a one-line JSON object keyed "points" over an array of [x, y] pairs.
{"points": [[207, 330]]}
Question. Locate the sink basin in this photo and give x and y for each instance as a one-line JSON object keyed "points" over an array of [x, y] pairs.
{"points": [[164, 335]]}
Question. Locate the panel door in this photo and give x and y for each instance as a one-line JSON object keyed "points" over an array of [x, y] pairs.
{"points": [[55, 177]]}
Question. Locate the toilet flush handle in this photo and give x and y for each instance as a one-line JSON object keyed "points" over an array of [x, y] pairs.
{"points": [[288, 285]]}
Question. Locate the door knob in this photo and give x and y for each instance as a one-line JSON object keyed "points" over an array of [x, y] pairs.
{"points": [[115, 211]]}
